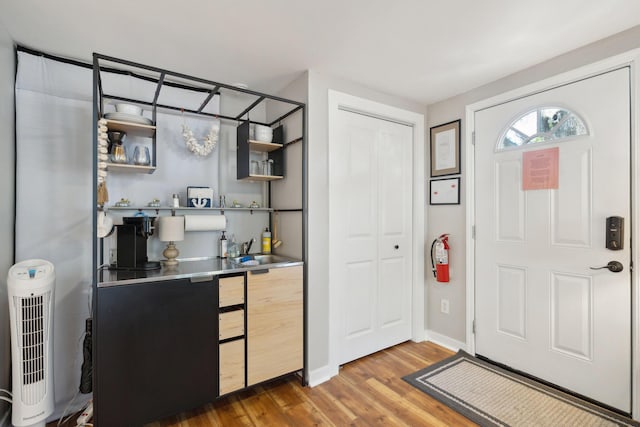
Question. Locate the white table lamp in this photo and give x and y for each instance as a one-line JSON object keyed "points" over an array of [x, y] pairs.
{"points": [[171, 231]]}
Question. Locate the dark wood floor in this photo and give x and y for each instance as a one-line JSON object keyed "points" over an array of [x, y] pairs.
{"points": [[368, 392]]}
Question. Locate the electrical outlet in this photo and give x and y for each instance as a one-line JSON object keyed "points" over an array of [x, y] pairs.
{"points": [[444, 306]]}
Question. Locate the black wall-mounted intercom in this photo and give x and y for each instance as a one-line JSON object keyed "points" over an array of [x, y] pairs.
{"points": [[614, 235]]}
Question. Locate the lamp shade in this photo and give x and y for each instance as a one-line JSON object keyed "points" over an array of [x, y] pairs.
{"points": [[171, 228]]}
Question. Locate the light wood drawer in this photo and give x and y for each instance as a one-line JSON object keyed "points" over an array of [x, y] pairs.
{"points": [[231, 366], [231, 324], [231, 291]]}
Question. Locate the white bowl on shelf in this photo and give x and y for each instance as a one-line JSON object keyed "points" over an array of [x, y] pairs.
{"points": [[129, 109], [263, 133]]}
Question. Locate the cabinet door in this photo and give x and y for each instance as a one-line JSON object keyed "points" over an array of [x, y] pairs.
{"points": [[231, 324], [231, 290], [231, 366], [275, 344], [155, 350]]}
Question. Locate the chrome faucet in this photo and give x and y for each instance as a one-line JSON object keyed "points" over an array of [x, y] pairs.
{"points": [[246, 246]]}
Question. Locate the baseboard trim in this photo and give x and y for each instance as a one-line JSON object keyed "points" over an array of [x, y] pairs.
{"points": [[320, 375], [445, 341]]}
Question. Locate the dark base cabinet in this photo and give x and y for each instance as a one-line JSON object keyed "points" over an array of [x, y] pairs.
{"points": [[156, 350]]}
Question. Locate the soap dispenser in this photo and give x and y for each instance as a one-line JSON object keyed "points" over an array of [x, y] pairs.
{"points": [[223, 246], [266, 241]]}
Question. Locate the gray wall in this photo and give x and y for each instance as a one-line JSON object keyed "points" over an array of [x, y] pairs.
{"points": [[452, 218], [318, 173], [287, 193], [7, 73]]}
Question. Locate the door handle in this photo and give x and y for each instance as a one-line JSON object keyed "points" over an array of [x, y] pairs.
{"points": [[612, 266]]}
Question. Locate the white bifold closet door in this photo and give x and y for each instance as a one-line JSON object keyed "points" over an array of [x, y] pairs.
{"points": [[371, 232]]}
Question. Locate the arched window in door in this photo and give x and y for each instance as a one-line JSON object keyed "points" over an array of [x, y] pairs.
{"points": [[542, 124]]}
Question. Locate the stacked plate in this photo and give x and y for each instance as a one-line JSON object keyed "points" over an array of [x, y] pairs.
{"points": [[128, 113], [124, 117], [263, 133]]}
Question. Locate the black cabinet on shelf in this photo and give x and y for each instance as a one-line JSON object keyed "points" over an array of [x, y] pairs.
{"points": [[156, 350], [247, 146]]}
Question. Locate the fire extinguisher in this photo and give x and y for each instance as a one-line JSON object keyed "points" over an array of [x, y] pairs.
{"points": [[440, 258]]}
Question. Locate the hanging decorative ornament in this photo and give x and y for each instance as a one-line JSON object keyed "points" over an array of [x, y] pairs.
{"points": [[208, 144], [103, 195]]}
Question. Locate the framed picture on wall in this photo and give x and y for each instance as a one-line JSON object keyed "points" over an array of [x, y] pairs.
{"points": [[445, 149], [444, 191]]}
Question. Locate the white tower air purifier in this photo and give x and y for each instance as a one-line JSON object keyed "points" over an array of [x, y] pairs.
{"points": [[31, 289]]}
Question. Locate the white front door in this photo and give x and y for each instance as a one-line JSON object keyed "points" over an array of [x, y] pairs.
{"points": [[539, 307], [371, 232]]}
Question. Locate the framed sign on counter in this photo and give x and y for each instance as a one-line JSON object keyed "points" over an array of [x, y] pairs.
{"points": [[445, 149]]}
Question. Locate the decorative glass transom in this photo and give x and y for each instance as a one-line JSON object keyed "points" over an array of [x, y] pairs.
{"points": [[541, 125]]}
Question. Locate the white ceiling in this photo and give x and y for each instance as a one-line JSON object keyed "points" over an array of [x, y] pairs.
{"points": [[423, 50]]}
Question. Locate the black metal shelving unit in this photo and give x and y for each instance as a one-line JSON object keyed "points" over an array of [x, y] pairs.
{"points": [[163, 79]]}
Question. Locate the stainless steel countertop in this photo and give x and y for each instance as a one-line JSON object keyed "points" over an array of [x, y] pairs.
{"points": [[188, 268]]}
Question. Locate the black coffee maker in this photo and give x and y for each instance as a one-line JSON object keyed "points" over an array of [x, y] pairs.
{"points": [[132, 244]]}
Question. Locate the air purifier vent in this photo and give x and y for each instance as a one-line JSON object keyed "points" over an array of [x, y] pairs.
{"points": [[33, 332]]}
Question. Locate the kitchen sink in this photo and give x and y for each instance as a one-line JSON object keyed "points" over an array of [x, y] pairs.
{"points": [[260, 259]]}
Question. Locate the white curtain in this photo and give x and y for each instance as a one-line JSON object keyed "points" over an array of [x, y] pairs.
{"points": [[53, 199]]}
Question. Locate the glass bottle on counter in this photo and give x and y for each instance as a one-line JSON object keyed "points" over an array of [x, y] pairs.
{"points": [[232, 249]]}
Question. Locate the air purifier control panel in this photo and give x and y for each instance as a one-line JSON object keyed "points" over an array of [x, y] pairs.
{"points": [[31, 271]]}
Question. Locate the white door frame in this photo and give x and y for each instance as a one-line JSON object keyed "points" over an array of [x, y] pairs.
{"points": [[338, 101], [631, 59]]}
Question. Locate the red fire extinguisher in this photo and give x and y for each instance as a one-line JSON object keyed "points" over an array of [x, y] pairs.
{"points": [[440, 258]]}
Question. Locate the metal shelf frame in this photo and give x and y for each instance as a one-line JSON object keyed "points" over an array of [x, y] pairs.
{"points": [[210, 88], [161, 80]]}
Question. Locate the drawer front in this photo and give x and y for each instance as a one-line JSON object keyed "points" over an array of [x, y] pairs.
{"points": [[231, 291], [275, 318], [231, 324], [231, 366]]}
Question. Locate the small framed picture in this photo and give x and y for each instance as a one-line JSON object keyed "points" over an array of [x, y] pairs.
{"points": [[444, 191], [445, 149]]}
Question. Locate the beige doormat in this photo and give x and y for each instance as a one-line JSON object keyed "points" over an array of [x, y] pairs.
{"points": [[492, 396]]}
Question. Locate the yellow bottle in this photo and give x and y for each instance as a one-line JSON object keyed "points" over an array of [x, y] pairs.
{"points": [[266, 241]]}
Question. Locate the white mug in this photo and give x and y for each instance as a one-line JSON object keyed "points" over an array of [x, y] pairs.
{"points": [[105, 224]]}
